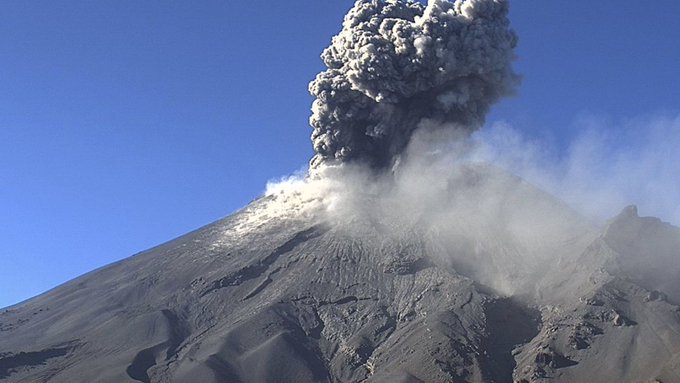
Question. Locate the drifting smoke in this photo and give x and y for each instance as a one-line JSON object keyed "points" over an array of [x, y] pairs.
{"points": [[399, 66], [463, 198], [605, 167]]}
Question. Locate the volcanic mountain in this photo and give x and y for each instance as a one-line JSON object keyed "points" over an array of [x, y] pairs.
{"points": [[396, 258], [523, 290]]}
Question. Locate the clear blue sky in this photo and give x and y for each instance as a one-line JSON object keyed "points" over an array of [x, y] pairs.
{"points": [[126, 123]]}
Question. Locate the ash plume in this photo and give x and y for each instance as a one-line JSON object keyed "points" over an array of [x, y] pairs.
{"points": [[400, 66]]}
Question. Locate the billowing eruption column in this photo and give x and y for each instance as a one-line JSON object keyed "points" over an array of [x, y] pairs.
{"points": [[398, 66]]}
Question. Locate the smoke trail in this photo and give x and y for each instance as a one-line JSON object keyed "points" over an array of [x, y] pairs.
{"points": [[398, 66], [605, 167]]}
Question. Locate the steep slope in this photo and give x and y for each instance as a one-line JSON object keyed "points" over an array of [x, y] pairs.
{"points": [[289, 302], [276, 293], [610, 323]]}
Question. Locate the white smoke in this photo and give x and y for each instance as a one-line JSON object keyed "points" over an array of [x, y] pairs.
{"points": [[604, 168], [493, 203]]}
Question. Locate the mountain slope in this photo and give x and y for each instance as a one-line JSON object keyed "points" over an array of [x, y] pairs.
{"points": [[617, 326], [275, 294]]}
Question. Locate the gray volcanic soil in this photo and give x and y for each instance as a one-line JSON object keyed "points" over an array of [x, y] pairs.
{"points": [[260, 297]]}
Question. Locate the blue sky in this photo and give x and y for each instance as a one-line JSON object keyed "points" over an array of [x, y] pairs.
{"points": [[124, 124]]}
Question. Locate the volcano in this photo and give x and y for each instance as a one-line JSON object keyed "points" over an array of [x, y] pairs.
{"points": [[397, 257], [273, 293]]}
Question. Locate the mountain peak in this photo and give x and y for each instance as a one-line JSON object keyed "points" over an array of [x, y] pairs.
{"points": [[630, 211]]}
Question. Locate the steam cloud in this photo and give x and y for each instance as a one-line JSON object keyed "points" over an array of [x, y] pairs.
{"points": [[606, 166], [399, 66]]}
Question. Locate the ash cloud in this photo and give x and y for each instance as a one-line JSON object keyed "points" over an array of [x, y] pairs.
{"points": [[405, 89], [399, 66]]}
